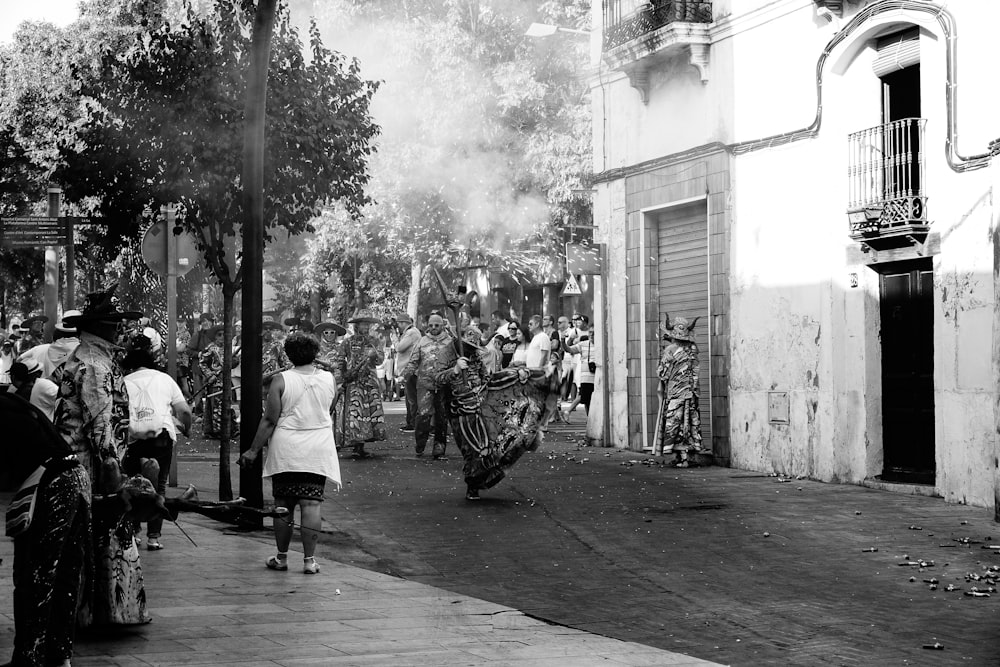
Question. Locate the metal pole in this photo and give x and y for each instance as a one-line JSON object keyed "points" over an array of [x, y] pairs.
{"points": [[50, 298], [605, 332], [69, 298], [169, 214]]}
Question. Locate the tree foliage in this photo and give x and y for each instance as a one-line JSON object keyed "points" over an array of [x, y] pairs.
{"points": [[486, 133], [164, 124]]}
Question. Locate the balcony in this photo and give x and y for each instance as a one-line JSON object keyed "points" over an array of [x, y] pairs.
{"points": [[639, 33], [887, 206]]}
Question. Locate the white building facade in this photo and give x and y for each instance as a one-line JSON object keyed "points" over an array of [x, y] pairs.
{"points": [[815, 181]]}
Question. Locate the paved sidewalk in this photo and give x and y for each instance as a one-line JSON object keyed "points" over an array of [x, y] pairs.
{"points": [[722, 564], [216, 604]]}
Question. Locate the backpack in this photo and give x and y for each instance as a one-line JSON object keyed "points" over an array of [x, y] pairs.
{"points": [[144, 422]]}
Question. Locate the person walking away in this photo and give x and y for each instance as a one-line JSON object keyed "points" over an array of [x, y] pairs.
{"points": [[26, 378], [302, 452], [354, 372], [49, 521], [409, 338], [540, 344], [434, 353], [679, 427], [92, 418], [154, 401], [583, 350]]}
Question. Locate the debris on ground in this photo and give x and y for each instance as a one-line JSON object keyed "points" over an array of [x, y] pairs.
{"points": [[936, 646]]}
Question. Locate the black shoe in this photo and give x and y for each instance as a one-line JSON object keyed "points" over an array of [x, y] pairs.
{"points": [[407, 429], [472, 494]]}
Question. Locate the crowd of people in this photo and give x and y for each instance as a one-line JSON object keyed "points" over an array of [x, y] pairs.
{"points": [[106, 417]]}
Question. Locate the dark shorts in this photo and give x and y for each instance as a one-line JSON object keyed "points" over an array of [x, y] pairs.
{"points": [[298, 485], [586, 391]]}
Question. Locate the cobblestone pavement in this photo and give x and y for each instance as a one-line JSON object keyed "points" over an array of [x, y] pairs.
{"points": [[722, 564]]}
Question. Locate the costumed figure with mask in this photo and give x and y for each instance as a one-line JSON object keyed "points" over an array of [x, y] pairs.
{"points": [[92, 418], [363, 419], [49, 521], [678, 427]]}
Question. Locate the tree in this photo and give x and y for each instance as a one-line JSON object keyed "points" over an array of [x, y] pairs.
{"points": [[486, 133], [164, 123]]}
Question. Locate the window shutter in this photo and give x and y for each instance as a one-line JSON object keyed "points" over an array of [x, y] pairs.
{"points": [[897, 51]]}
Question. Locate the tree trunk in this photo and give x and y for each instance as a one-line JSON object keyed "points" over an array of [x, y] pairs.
{"points": [[225, 430], [251, 485], [416, 276]]}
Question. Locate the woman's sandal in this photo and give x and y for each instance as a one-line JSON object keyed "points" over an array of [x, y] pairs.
{"points": [[275, 563]]}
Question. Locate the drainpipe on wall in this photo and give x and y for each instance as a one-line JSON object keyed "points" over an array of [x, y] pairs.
{"points": [[995, 236]]}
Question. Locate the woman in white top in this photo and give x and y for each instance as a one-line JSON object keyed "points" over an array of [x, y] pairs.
{"points": [[302, 453]]}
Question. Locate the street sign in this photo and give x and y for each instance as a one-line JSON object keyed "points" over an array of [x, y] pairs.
{"points": [[572, 287], [154, 250], [33, 231], [583, 259]]}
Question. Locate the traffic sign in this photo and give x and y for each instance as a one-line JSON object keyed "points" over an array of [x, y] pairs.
{"points": [[34, 231], [154, 250], [572, 287]]}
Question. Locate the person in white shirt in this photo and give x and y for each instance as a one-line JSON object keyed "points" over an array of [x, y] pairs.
{"points": [[49, 355], [540, 345], [154, 401], [26, 382]]}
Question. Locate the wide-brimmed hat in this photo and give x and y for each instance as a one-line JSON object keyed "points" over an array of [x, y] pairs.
{"points": [[680, 329], [101, 307], [214, 331], [326, 326], [363, 315], [292, 321], [270, 325], [31, 364], [269, 316], [206, 316], [61, 326], [31, 320]]}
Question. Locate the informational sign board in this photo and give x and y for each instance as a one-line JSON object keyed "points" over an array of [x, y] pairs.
{"points": [[31, 232], [584, 259]]}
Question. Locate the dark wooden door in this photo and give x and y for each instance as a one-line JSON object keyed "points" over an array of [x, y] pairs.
{"points": [[907, 336]]}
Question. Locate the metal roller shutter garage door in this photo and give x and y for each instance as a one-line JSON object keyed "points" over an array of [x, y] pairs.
{"points": [[684, 288]]}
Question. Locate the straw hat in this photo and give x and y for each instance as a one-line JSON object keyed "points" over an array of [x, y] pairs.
{"points": [[363, 315], [325, 326]]}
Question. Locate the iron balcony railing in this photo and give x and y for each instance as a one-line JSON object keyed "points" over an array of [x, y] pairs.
{"points": [[625, 20], [886, 177]]}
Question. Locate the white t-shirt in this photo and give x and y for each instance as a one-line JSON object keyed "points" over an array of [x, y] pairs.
{"points": [[44, 396], [538, 350], [162, 392]]}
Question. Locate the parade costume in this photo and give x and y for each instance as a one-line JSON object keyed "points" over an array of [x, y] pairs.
{"points": [[93, 419], [211, 361], [432, 355], [362, 418], [679, 425], [52, 547]]}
